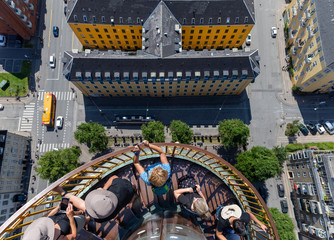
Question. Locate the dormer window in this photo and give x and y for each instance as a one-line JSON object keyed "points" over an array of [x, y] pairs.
{"points": [[246, 19], [85, 18], [193, 21], [219, 20], [201, 20], [237, 20], [210, 20], [120, 20], [228, 20]]}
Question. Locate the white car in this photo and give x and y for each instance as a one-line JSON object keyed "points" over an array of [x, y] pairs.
{"points": [[2, 40], [48, 205], [273, 32], [59, 122], [2, 107], [329, 127], [52, 61], [248, 39], [320, 128]]}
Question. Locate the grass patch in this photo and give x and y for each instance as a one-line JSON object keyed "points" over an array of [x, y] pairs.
{"points": [[321, 146], [292, 147], [299, 146], [18, 82]]}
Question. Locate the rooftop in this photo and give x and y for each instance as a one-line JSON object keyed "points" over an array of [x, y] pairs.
{"points": [[136, 12], [117, 64], [325, 15]]}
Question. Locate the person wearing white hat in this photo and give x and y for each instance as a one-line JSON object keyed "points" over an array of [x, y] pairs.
{"points": [[55, 226], [105, 203], [232, 222]]}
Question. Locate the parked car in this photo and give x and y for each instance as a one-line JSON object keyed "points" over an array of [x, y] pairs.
{"points": [[280, 189], [65, 10], [248, 39], [2, 107], [312, 128], [273, 32], [59, 122], [329, 127], [320, 128], [2, 40], [55, 31], [32, 190], [284, 206], [52, 61], [48, 205], [303, 129]]}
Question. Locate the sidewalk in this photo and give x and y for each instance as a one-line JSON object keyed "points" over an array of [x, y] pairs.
{"points": [[285, 96]]}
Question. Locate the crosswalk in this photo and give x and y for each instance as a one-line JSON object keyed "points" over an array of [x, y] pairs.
{"points": [[47, 147], [59, 95], [27, 118]]}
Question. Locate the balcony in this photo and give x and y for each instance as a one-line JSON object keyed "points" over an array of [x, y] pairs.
{"points": [[300, 43], [221, 181], [308, 58]]}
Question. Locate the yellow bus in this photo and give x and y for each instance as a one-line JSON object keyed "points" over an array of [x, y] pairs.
{"points": [[49, 109]]}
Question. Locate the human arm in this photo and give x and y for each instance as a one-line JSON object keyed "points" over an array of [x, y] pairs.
{"points": [[220, 235], [136, 163], [198, 188], [257, 221], [54, 211], [163, 157], [180, 191], [70, 215], [109, 182]]}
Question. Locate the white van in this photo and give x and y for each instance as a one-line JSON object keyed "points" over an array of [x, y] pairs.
{"points": [[52, 61], [329, 127]]}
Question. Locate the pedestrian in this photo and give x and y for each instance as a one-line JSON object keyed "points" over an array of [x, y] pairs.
{"points": [[104, 204], [189, 194], [232, 221], [157, 175]]}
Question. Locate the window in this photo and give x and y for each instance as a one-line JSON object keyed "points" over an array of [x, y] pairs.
{"points": [[4, 203], [87, 30], [321, 58], [94, 19], [210, 20], [193, 21], [201, 21], [91, 36], [103, 19], [232, 36], [226, 31], [236, 20], [246, 19], [319, 75], [120, 20], [298, 174], [219, 20], [84, 18], [327, 70], [100, 36], [184, 20], [79, 29], [318, 39], [311, 45], [228, 20], [313, 80]]}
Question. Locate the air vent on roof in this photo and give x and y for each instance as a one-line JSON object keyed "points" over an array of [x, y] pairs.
{"points": [[29, 24], [12, 4], [18, 11]]}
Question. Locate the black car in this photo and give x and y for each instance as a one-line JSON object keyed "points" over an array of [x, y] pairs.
{"points": [[312, 128], [55, 30], [303, 129], [284, 206], [65, 10], [280, 189]]}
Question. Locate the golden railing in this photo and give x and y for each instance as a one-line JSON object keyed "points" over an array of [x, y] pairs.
{"points": [[86, 176]]}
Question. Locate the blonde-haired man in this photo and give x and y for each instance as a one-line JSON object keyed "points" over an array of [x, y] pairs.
{"points": [[157, 175]]}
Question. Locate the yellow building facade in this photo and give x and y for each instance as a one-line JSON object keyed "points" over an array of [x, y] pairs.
{"points": [[217, 26], [310, 42]]}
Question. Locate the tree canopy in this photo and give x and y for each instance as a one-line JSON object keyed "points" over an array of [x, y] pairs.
{"points": [[283, 224], [233, 133], [181, 132], [258, 164], [292, 128], [93, 135], [55, 164], [281, 154], [153, 132]]}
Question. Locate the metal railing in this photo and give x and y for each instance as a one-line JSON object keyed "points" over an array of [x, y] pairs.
{"points": [[85, 177]]}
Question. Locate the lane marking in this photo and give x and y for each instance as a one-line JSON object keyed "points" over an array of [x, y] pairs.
{"points": [[50, 28]]}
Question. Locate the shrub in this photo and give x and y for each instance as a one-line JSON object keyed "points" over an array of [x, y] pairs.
{"points": [[292, 147]]}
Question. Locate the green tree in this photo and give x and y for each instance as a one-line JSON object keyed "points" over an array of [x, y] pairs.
{"points": [[93, 135], [281, 154], [233, 132], [181, 132], [292, 128], [55, 164], [283, 224], [258, 164], [153, 132]]}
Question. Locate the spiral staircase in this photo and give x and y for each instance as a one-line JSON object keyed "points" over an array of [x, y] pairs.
{"points": [[152, 217]]}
